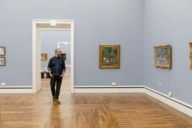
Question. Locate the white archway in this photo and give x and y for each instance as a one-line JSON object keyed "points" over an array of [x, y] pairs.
{"points": [[37, 26]]}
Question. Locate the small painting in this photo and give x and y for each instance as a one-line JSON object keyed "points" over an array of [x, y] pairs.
{"points": [[44, 56], [2, 61], [109, 56], [2, 51], [163, 56], [190, 55]]}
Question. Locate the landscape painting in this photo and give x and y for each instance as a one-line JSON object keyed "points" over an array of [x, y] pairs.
{"points": [[163, 56], [109, 56]]}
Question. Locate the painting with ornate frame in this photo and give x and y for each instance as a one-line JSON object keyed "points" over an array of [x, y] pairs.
{"points": [[109, 56], [2, 51], [2, 61], [163, 56], [63, 55], [44, 56], [190, 55]]}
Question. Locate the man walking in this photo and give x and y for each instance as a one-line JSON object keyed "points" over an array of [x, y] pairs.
{"points": [[56, 69]]}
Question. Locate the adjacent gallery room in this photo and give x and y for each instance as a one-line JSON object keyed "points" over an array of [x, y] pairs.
{"points": [[121, 64]]}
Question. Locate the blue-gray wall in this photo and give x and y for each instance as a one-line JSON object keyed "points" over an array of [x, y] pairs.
{"points": [[169, 22], [16, 36], [117, 22], [49, 40], [102, 21], [96, 22]]}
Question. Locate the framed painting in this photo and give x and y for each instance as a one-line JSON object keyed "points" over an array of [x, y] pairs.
{"points": [[163, 56], [2, 61], [63, 55], [44, 56], [2, 51], [109, 56], [190, 55]]}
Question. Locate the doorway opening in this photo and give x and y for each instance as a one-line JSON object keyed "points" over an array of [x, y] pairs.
{"points": [[50, 25]]}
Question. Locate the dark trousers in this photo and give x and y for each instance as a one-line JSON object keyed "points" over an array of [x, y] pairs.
{"points": [[55, 84]]}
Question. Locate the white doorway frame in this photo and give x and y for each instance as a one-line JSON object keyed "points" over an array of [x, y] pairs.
{"points": [[40, 25]]}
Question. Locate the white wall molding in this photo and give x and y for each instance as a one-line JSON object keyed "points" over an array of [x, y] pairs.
{"points": [[173, 102], [16, 86], [108, 89], [16, 89]]}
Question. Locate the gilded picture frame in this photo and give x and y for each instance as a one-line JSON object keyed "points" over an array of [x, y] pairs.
{"points": [[190, 55], [109, 56], [2, 51], [163, 56], [64, 56], [2, 61], [44, 56]]}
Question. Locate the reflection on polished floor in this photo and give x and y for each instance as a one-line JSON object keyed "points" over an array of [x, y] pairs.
{"points": [[87, 110]]}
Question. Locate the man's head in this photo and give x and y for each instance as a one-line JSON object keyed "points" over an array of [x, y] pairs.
{"points": [[58, 52]]}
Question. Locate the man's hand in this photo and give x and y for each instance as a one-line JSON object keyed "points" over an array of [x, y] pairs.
{"points": [[50, 73]]}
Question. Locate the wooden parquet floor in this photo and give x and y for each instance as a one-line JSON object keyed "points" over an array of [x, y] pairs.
{"points": [[87, 110]]}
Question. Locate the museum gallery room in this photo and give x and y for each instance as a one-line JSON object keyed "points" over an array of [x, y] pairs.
{"points": [[95, 64]]}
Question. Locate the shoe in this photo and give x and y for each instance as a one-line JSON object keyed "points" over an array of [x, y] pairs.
{"points": [[56, 101]]}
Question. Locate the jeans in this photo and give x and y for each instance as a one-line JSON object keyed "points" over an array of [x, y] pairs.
{"points": [[55, 84]]}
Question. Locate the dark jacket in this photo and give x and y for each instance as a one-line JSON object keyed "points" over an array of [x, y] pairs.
{"points": [[56, 65]]}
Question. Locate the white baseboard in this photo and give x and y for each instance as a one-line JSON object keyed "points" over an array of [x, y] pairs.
{"points": [[16, 89], [173, 102], [108, 89]]}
